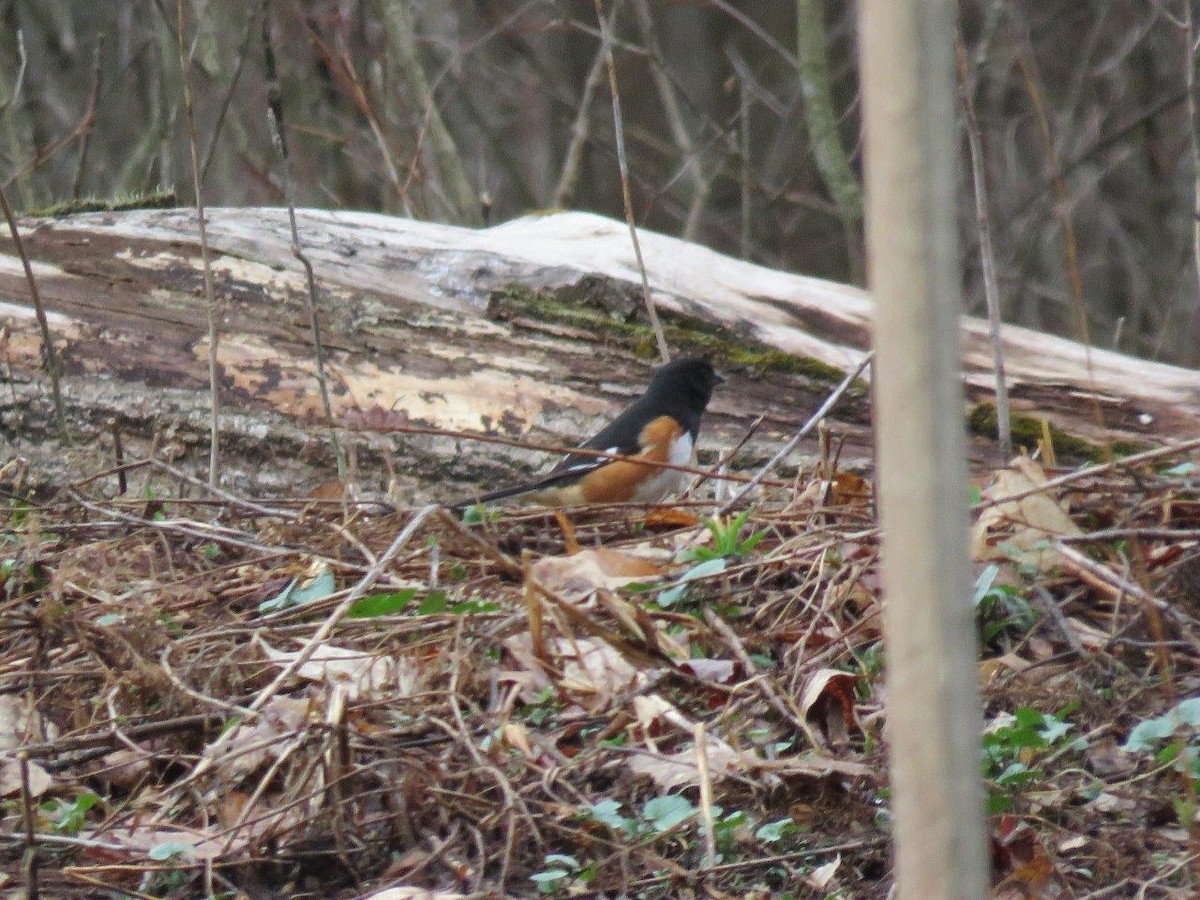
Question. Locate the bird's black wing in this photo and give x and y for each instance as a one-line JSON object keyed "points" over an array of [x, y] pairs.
{"points": [[619, 437]]}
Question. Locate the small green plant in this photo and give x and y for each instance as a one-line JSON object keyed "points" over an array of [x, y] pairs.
{"points": [[870, 660], [664, 815], [562, 872], [544, 708], [1014, 747], [69, 817], [676, 592], [1000, 607], [1178, 725], [474, 515], [300, 592], [772, 832], [209, 551], [1173, 739], [727, 539], [386, 604]]}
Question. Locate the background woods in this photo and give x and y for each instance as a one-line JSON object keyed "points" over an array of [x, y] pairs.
{"points": [[742, 127]]}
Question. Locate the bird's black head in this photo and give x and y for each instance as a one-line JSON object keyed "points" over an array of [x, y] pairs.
{"points": [[685, 386]]}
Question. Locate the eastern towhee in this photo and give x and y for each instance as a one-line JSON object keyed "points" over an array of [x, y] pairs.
{"points": [[661, 425]]}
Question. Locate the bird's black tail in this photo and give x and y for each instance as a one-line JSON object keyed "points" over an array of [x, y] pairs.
{"points": [[489, 497]]}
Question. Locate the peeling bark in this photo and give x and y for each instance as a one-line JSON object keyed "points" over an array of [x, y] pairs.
{"points": [[526, 330]]}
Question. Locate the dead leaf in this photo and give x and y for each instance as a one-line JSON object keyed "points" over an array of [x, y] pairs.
{"points": [[682, 769], [19, 723], [516, 735], [138, 842], [828, 698], [821, 876], [1021, 529], [1078, 842], [360, 674], [10, 779], [991, 669], [577, 577], [716, 670], [848, 489], [412, 893], [124, 768], [669, 517], [593, 667], [252, 744]]}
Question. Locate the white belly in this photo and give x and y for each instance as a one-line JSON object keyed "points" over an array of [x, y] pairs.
{"points": [[666, 481]]}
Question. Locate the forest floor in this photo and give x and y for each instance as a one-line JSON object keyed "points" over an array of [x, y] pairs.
{"points": [[210, 696]]}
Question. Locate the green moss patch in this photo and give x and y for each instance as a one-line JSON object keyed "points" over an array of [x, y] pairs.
{"points": [[158, 200], [613, 311], [1027, 431]]}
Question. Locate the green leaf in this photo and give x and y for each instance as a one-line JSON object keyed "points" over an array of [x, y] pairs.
{"points": [[169, 850], [1188, 712], [549, 876], [1149, 734], [70, 817], [703, 570], [607, 812], [474, 606], [983, 584], [771, 832], [664, 813], [434, 602], [377, 605], [318, 587], [1053, 729]]}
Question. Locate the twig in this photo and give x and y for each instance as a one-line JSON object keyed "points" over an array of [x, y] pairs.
{"points": [[1189, 73], [89, 117], [114, 428], [218, 125], [22, 64], [398, 26], [107, 739], [808, 426], [29, 860], [310, 647], [626, 191], [185, 66], [772, 696], [700, 742], [1103, 577], [279, 138], [1091, 471], [1050, 607], [48, 352], [1062, 210], [828, 151], [569, 176], [987, 253], [744, 178], [342, 68], [675, 120]]}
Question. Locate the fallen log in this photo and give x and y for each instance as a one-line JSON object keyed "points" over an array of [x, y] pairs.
{"points": [[531, 330]]}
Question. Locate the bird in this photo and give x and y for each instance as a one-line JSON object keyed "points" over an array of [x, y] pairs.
{"points": [[662, 426]]}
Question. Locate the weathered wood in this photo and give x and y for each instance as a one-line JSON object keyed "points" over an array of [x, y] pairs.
{"points": [[523, 329]]}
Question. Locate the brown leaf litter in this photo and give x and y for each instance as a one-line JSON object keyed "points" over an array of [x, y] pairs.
{"points": [[203, 694]]}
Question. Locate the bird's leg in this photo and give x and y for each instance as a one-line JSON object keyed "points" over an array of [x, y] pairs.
{"points": [[568, 531]]}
